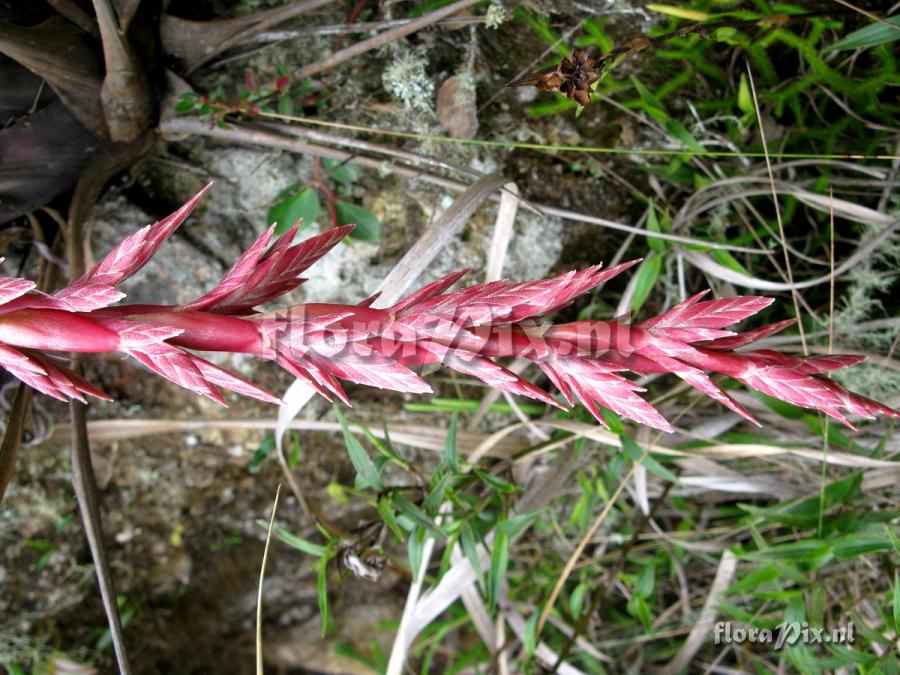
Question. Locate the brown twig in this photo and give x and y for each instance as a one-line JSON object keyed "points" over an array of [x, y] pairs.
{"points": [[379, 40]]}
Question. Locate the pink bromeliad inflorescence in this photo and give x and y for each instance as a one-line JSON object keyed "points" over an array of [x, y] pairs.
{"points": [[465, 330]]}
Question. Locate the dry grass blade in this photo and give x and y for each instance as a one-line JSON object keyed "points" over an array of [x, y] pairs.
{"points": [[416, 436], [784, 245], [710, 266], [12, 437], [503, 231], [435, 239], [380, 40], [262, 576], [702, 628], [410, 627], [85, 484], [173, 128]]}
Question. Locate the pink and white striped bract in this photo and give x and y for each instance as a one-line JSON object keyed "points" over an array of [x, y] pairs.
{"points": [[466, 330]]}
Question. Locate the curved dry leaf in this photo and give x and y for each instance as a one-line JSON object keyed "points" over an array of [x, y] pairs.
{"points": [[57, 51], [456, 110]]}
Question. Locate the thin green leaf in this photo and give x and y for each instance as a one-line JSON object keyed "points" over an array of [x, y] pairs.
{"points": [[386, 511], [634, 451], [679, 12], [436, 496], [470, 549], [518, 522], [298, 542], [645, 281], [529, 639], [499, 564], [725, 259], [655, 244], [744, 98], [365, 468], [415, 548], [451, 457], [417, 515], [322, 594], [896, 601], [871, 36]]}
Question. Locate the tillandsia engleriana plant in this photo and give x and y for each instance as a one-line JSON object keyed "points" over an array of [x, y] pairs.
{"points": [[465, 330]]}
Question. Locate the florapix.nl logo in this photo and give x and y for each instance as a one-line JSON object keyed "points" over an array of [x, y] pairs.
{"points": [[783, 635]]}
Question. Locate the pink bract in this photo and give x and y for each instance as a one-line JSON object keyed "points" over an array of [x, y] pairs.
{"points": [[466, 330]]}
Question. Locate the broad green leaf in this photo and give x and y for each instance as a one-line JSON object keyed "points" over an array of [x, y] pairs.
{"points": [[654, 107], [184, 106], [541, 26], [645, 281], [646, 581], [649, 103], [576, 600], [451, 456], [634, 451], [872, 35], [303, 204], [341, 171], [366, 471], [499, 563], [367, 226], [285, 105], [322, 594], [639, 608]]}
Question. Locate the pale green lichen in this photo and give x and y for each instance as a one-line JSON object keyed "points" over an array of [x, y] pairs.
{"points": [[872, 277], [496, 15], [406, 80]]}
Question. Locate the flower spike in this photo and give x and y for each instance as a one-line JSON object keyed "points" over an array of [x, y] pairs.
{"points": [[465, 330]]}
